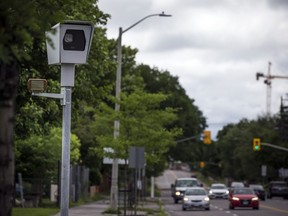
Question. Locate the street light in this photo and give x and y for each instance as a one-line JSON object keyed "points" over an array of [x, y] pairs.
{"points": [[114, 183]]}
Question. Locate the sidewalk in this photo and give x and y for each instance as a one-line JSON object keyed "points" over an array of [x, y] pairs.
{"points": [[97, 208]]}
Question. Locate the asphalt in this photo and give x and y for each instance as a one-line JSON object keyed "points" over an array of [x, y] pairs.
{"points": [[98, 208]]}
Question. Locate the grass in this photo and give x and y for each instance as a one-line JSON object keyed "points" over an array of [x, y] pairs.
{"points": [[34, 211]]}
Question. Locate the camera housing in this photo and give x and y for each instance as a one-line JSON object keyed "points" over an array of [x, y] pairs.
{"points": [[69, 42]]}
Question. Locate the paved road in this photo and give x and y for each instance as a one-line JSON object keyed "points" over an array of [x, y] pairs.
{"points": [[219, 207]]}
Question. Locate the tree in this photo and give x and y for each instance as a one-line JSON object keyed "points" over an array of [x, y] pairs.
{"points": [[142, 123], [189, 118], [22, 28], [235, 149], [19, 25], [37, 156]]}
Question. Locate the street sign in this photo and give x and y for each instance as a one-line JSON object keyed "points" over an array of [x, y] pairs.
{"points": [[136, 157], [37, 85], [107, 160]]}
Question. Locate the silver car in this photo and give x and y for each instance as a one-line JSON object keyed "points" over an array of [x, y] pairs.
{"points": [[218, 190], [196, 198]]}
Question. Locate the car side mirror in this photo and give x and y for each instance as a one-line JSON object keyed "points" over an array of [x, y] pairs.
{"points": [[172, 185]]}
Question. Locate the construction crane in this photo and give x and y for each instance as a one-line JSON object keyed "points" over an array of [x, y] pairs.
{"points": [[268, 82]]}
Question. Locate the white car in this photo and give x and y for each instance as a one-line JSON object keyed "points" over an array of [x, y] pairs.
{"points": [[196, 198], [218, 190], [181, 185]]}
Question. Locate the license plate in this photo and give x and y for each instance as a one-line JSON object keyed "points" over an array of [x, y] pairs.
{"points": [[245, 202]]}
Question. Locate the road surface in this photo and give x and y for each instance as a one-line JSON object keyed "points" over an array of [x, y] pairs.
{"points": [[219, 207]]}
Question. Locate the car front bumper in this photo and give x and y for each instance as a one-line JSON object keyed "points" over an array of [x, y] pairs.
{"points": [[245, 203], [194, 205]]}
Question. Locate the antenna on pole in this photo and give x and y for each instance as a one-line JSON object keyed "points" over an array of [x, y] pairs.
{"points": [[269, 90], [268, 82]]}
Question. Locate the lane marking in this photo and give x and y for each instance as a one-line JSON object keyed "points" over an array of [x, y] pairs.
{"points": [[274, 209]]}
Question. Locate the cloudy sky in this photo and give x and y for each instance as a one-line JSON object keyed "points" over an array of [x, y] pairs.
{"points": [[215, 49]]}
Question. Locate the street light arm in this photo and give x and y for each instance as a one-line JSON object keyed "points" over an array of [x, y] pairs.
{"points": [[114, 178], [258, 75], [161, 14]]}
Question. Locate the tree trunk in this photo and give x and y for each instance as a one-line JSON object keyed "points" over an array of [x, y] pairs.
{"points": [[8, 90]]}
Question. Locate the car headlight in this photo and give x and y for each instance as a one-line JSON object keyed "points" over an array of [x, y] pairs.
{"points": [[206, 199], [227, 192], [177, 193], [235, 198], [185, 199], [210, 192], [255, 198]]}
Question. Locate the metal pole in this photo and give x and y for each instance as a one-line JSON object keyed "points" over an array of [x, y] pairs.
{"points": [[67, 81], [114, 180], [274, 146], [114, 183], [152, 187]]}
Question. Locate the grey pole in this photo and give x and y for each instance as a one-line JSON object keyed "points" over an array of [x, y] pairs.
{"points": [[114, 180], [67, 82], [114, 183]]}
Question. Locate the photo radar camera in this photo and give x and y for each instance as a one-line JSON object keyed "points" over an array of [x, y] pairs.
{"points": [[69, 42]]}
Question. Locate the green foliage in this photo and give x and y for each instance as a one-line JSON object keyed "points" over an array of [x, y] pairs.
{"points": [[150, 117], [23, 38], [37, 156], [238, 159], [189, 118], [95, 176], [142, 123]]}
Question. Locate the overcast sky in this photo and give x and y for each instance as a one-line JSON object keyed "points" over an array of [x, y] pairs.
{"points": [[214, 47]]}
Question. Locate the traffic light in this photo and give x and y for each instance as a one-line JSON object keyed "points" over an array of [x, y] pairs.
{"points": [[202, 164], [207, 137], [256, 144]]}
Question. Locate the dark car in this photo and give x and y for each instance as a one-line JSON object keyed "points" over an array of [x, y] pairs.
{"points": [[243, 197], [277, 189], [259, 191]]}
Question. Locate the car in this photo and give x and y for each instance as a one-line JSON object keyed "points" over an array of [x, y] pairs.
{"points": [[181, 185], [243, 197], [277, 189], [196, 198], [259, 191], [237, 184], [218, 190]]}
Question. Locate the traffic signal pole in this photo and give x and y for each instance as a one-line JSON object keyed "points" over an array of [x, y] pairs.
{"points": [[206, 137], [274, 146], [188, 138]]}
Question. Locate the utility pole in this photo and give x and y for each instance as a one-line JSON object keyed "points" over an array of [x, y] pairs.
{"points": [[268, 82], [114, 180]]}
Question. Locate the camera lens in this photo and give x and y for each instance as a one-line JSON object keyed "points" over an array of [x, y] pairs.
{"points": [[74, 40]]}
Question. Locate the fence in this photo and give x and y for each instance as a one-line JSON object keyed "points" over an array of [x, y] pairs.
{"points": [[131, 190], [29, 192]]}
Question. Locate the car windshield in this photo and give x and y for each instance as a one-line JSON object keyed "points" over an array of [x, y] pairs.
{"points": [[237, 184], [218, 187], [243, 191], [186, 183], [258, 187], [195, 192], [280, 184]]}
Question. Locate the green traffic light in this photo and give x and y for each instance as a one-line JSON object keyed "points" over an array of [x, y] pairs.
{"points": [[256, 144]]}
